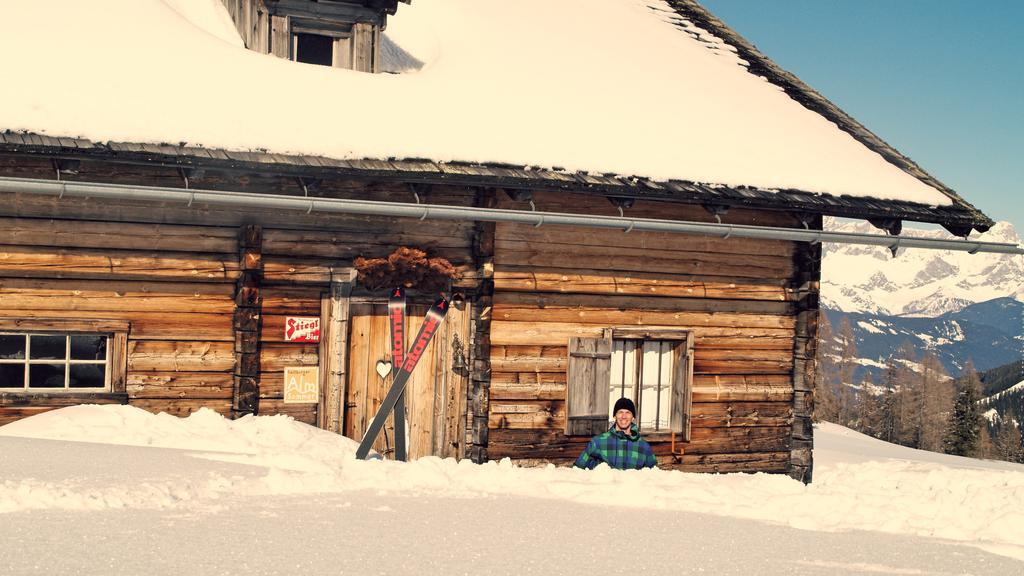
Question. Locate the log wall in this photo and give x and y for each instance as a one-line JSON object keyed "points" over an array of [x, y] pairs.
{"points": [[737, 296], [180, 276], [173, 284], [173, 273]]}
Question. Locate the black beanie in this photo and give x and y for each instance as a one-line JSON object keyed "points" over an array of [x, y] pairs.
{"points": [[624, 403]]}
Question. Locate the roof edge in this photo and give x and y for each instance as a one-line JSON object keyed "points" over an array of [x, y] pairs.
{"points": [[811, 99], [955, 218]]}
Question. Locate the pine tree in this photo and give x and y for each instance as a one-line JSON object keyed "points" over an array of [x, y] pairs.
{"points": [[986, 444], [1002, 437], [847, 343], [1008, 443], [963, 434], [870, 417], [826, 405], [937, 396], [906, 416], [890, 411]]}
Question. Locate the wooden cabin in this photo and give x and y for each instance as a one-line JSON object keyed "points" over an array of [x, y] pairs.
{"points": [[174, 306]]}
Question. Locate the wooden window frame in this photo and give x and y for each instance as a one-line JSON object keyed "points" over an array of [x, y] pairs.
{"points": [[586, 402], [117, 350], [340, 33]]}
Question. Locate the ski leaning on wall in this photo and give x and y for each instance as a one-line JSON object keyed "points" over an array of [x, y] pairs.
{"points": [[435, 316], [396, 318]]}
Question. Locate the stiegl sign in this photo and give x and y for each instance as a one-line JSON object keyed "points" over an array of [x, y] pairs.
{"points": [[302, 329]]}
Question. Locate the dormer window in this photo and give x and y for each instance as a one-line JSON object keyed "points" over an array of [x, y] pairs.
{"points": [[341, 45], [313, 49], [338, 33]]}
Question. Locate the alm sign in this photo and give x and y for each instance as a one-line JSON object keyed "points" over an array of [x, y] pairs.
{"points": [[301, 384]]}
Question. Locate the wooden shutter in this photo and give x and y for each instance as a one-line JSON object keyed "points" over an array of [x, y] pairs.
{"points": [[590, 363], [682, 388]]}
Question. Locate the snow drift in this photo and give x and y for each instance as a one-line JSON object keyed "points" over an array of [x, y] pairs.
{"points": [[860, 483]]}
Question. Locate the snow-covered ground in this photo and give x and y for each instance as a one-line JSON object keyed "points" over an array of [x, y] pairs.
{"points": [[116, 490]]}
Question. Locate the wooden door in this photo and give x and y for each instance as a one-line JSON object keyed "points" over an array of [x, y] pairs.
{"points": [[435, 398]]}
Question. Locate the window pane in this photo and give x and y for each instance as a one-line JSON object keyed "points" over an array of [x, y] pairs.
{"points": [[314, 49], [48, 347], [46, 375], [12, 346], [665, 395], [623, 372], [92, 347], [650, 386], [12, 375], [87, 376]]}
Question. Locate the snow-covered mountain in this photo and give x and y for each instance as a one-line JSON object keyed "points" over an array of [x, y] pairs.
{"points": [[917, 283], [989, 334]]}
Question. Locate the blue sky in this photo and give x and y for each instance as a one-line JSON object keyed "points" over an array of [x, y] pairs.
{"points": [[940, 80]]}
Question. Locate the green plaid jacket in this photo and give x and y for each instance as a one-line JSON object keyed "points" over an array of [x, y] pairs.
{"points": [[618, 450]]}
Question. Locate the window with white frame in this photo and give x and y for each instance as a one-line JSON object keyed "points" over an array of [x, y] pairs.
{"points": [[55, 362], [651, 367], [642, 371]]}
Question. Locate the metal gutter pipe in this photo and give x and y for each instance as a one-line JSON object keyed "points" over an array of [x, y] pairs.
{"points": [[305, 204]]}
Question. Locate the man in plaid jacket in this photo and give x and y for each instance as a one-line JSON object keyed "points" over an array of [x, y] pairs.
{"points": [[621, 446]]}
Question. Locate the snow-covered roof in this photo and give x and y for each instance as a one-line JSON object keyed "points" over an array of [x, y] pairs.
{"points": [[590, 86]]}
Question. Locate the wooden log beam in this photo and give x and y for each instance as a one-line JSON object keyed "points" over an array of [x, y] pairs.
{"points": [[372, 238], [584, 203], [247, 324], [642, 303], [575, 281], [807, 262], [481, 328], [725, 463], [121, 235], [59, 399], [634, 260], [509, 386], [307, 271], [527, 415], [739, 414], [275, 357], [144, 325], [528, 364], [567, 237], [102, 264], [103, 296], [182, 408], [618, 317], [175, 384], [291, 300], [558, 334], [546, 444], [742, 387], [333, 352], [165, 356], [724, 440]]}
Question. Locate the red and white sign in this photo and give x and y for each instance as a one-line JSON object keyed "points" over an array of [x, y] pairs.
{"points": [[301, 329]]}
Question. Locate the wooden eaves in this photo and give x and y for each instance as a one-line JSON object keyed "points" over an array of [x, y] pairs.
{"points": [[959, 217]]}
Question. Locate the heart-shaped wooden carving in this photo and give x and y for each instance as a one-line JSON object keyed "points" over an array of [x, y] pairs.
{"points": [[383, 368]]}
